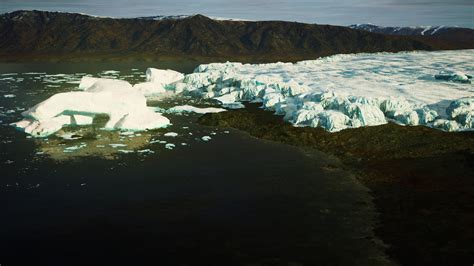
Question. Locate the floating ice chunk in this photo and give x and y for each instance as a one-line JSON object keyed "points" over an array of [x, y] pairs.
{"points": [[70, 136], [75, 148], [9, 96], [206, 138], [453, 76], [145, 151], [163, 76], [192, 109], [127, 133], [117, 145], [171, 134], [110, 72], [333, 121], [34, 73], [125, 107], [150, 88], [170, 146], [126, 151]]}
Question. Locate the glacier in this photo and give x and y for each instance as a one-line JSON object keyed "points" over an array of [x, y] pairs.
{"points": [[348, 90], [335, 93]]}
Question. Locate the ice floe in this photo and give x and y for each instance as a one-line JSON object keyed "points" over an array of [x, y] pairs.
{"points": [[125, 106], [192, 109], [206, 138], [171, 134], [170, 146]]}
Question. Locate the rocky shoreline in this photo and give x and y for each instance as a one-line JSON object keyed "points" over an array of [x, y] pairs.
{"points": [[421, 179]]}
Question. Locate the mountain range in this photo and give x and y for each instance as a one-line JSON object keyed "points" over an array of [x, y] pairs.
{"points": [[43, 35]]}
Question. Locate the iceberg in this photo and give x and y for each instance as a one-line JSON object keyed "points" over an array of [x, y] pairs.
{"points": [[157, 81], [125, 107]]}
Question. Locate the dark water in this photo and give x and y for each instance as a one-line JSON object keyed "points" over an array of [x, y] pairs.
{"points": [[234, 200]]}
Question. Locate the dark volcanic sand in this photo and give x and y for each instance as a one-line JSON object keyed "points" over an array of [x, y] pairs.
{"points": [[422, 180]]}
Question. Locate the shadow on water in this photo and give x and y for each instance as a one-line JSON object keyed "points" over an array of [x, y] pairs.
{"points": [[234, 200]]}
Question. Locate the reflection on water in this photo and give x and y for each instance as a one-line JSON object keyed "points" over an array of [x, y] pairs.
{"points": [[81, 141]]}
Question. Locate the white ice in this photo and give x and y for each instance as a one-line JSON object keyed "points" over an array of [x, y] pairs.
{"points": [[125, 106], [345, 91], [171, 134], [192, 109]]}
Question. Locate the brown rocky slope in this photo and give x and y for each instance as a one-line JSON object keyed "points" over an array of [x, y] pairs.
{"points": [[26, 35]]}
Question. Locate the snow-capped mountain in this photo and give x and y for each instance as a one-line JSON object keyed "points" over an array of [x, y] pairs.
{"points": [[414, 30]]}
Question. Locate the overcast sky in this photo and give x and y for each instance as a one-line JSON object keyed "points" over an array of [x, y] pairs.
{"points": [[337, 12]]}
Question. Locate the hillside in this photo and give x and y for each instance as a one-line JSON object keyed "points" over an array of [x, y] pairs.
{"points": [[28, 35]]}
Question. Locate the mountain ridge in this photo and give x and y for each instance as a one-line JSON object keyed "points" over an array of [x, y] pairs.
{"points": [[44, 35]]}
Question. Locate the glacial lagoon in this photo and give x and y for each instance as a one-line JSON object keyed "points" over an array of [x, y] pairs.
{"points": [[86, 195]]}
